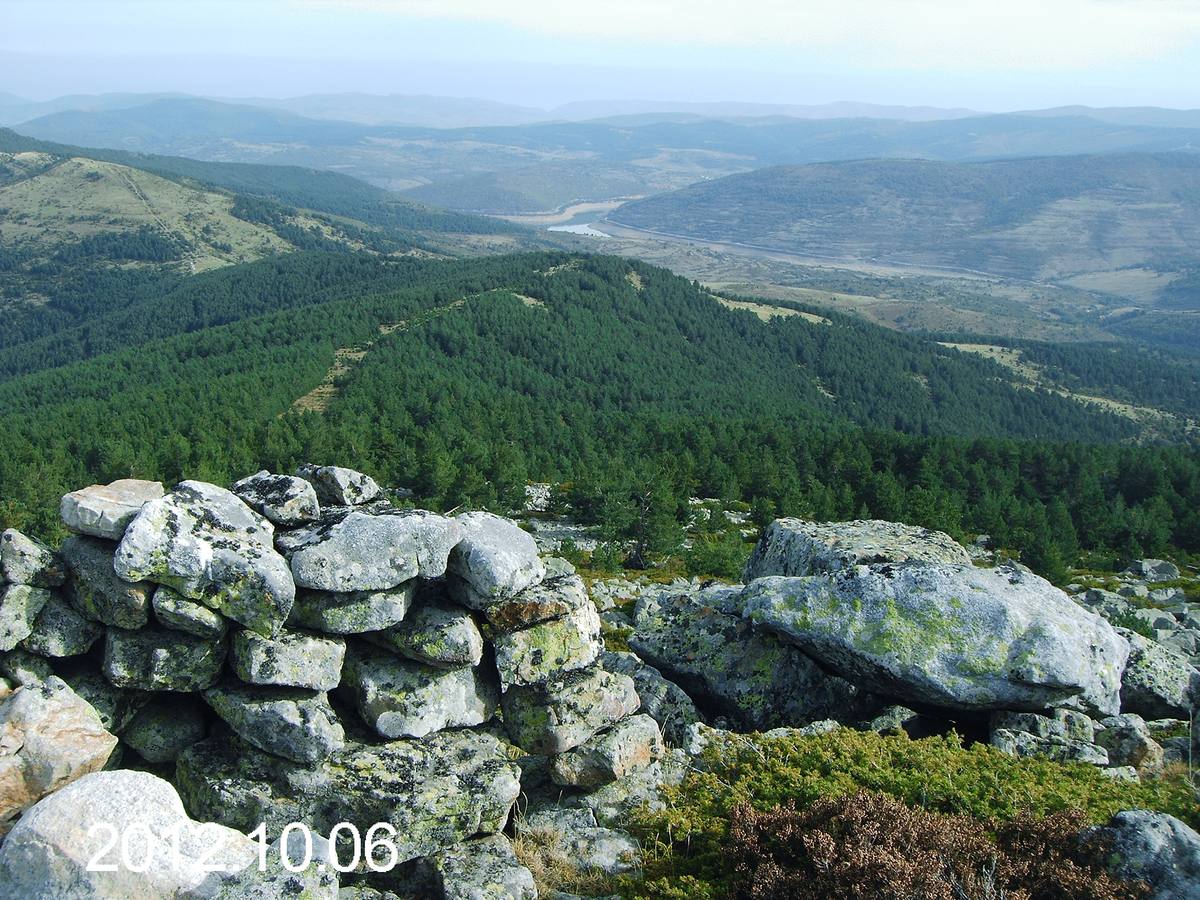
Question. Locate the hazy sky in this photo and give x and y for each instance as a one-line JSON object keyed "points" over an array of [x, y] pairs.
{"points": [[983, 54]]}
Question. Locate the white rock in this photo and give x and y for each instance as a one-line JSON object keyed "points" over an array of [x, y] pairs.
{"points": [[495, 559], [105, 510], [336, 486]]}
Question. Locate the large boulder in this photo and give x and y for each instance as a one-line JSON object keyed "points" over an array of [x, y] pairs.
{"points": [[60, 630], [437, 634], [556, 716], [1158, 849], [336, 486], [494, 560], [158, 660], [105, 510], [49, 854], [797, 547], [402, 698], [353, 612], [49, 737], [294, 723], [949, 636], [753, 677], [20, 606], [290, 659], [548, 649], [1157, 681], [205, 543], [374, 553], [95, 590], [283, 499], [435, 791], [25, 560]]}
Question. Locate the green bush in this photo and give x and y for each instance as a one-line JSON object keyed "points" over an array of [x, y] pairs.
{"points": [[723, 555]]}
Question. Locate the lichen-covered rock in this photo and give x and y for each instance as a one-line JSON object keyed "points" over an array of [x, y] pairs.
{"points": [[25, 560], [402, 698], [49, 736], [165, 727], [1128, 742], [95, 590], [575, 838], [115, 706], [630, 744], [435, 791], [374, 553], [20, 605], [283, 499], [337, 486], [1153, 570], [948, 636], [1023, 744], [204, 542], [484, 868], [663, 700], [1158, 849], [1157, 682], [438, 634], [159, 660], [290, 659], [353, 612], [105, 510], [552, 599], [294, 723], [23, 667], [557, 716], [61, 631], [316, 881], [548, 649], [494, 560], [173, 610], [47, 855], [753, 677], [797, 547], [1063, 724]]}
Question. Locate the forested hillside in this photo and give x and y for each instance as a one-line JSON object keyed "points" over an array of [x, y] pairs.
{"points": [[464, 380]]}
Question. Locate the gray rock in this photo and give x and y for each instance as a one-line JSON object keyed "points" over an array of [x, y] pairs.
{"points": [[1128, 742], [61, 631], [105, 510], [354, 612], [797, 547], [1156, 682], [948, 636], [438, 634], [374, 553], [630, 744], [557, 716], [115, 706], [20, 606], [664, 701], [49, 736], [1023, 744], [46, 855], [552, 599], [319, 879], [573, 840], [173, 610], [165, 727], [95, 590], [1158, 849], [294, 723], [339, 487], [494, 560], [290, 659], [401, 698], [283, 499], [435, 791], [204, 542], [25, 560], [614, 803], [160, 660], [22, 667], [753, 677], [549, 649], [484, 868], [1153, 570]]}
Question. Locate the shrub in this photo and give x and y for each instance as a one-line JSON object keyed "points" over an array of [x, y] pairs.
{"points": [[723, 555]]}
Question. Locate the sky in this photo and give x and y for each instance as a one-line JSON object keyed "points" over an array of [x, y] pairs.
{"points": [[981, 54]]}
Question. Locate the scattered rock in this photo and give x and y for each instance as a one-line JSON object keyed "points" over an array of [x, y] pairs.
{"points": [[294, 723], [173, 610], [1153, 570], [354, 612], [283, 499], [24, 560], [548, 649], [60, 631], [95, 590], [630, 744], [494, 560], [339, 487], [164, 728], [105, 510], [1158, 849], [290, 659], [557, 716], [20, 605], [160, 660], [437, 634]]}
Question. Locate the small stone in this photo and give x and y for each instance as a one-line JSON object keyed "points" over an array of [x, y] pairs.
{"points": [[401, 698], [105, 510], [61, 631], [164, 728], [337, 486], [354, 612], [160, 660], [440, 635], [95, 590], [173, 610], [557, 716], [548, 649], [630, 744], [494, 560], [283, 499], [291, 659], [294, 723], [552, 599], [24, 560], [20, 606], [484, 868], [573, 839]]}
